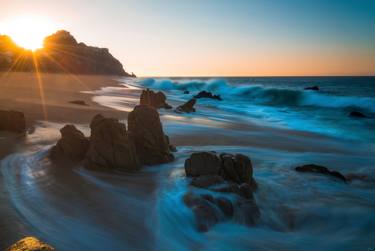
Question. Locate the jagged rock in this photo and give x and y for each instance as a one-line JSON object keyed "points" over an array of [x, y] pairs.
{"points": [[156, 100], [111, 146], [187, 107], [61, 53], [202, 163], [72, 146], [30, 244], [78, 102], [312, 168], [147, 131], [206, 94], [12, 121], [357, 114], [312, 88]]}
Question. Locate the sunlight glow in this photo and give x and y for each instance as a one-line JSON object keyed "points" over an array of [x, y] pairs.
{"points": [[28, 32]]}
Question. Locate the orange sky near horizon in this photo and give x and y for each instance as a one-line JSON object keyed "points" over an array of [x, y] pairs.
{"points": [[217, 38]]}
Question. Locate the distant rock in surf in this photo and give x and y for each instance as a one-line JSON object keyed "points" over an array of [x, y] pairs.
{"points": [[186, 92], [312, 88], [111, 146], [156, 100], [12, 121], [147, 131], [188, 107], [312, 168], [206, 94], [227, 174], [72, 146], [357, 114], [61, 54], [30, 244]]}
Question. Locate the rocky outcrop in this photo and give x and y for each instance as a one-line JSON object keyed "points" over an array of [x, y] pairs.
{"points": [[111, 146], [12, 121], [72, 146], [357, 114], [312, 88], [206, 94], [187, 107], [30, 244], [154, 99], [226, 174], [61, 54], [312, 168], [151, 143]]}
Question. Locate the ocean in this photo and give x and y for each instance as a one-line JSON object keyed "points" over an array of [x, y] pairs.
{"points": [[274, 121]]}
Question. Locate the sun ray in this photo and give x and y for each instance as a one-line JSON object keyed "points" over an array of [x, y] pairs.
{"points": [[40, 86]]}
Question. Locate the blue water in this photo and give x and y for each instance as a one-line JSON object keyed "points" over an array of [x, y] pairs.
{"points": [[272, 120]]}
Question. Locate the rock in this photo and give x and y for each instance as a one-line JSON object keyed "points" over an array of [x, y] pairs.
{"points": [[150, 141], [206, 181], [244, 169], [246, 212], [357, 114], [224, 205], [156, 100], [202, 163], [72, 146], [78, 102], [187, 107], [111, 146], [12, 121], [30, 244], [312, 88], [205, 94], [172, 148], [312, 168], [186, 92], [204, 211]]}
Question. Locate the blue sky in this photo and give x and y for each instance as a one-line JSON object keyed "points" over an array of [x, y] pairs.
{"points": [[208, 38]]}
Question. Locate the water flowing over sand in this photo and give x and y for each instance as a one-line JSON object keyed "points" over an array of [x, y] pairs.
{"points": [[77, 209]]}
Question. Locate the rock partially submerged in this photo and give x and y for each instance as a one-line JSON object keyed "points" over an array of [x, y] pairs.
{"points": [[111, 146], [206, 94], [30, 244], [72, 146], [154, 99], [312, 168], [312, 88], [151, 143], [188, 107], [357, 114], [12, 121], [227, 174]]}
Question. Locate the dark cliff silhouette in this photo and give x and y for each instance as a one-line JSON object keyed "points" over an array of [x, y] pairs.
{"points": [[61, 54]]}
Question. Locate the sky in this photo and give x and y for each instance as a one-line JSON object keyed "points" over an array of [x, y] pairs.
{"points": [[218, 37]]}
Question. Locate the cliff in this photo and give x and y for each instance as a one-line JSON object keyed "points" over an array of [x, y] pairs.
{"points": [[61, 54]]}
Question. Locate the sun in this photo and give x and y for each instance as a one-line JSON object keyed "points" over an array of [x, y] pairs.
{"points": [[28, 32]]}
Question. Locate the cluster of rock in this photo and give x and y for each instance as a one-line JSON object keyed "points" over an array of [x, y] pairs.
{"points": [[227, 174], [61, 53], [12, 121], [188, 107], [206, 94], [30, 244], [112, 146], [154, 99]]}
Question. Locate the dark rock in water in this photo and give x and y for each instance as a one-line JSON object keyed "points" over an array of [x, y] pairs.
{"points": [[72, 146], [30, 244], [12, 121], [202, 163], [206, 181], [187, 107], [312, 88], [111, 146], [247, 212], [186, 92], [225, 206], [156, 100], [151, 144], [206, 94], [356, 114], [61, 54], [312, 168], [78, 102]]}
